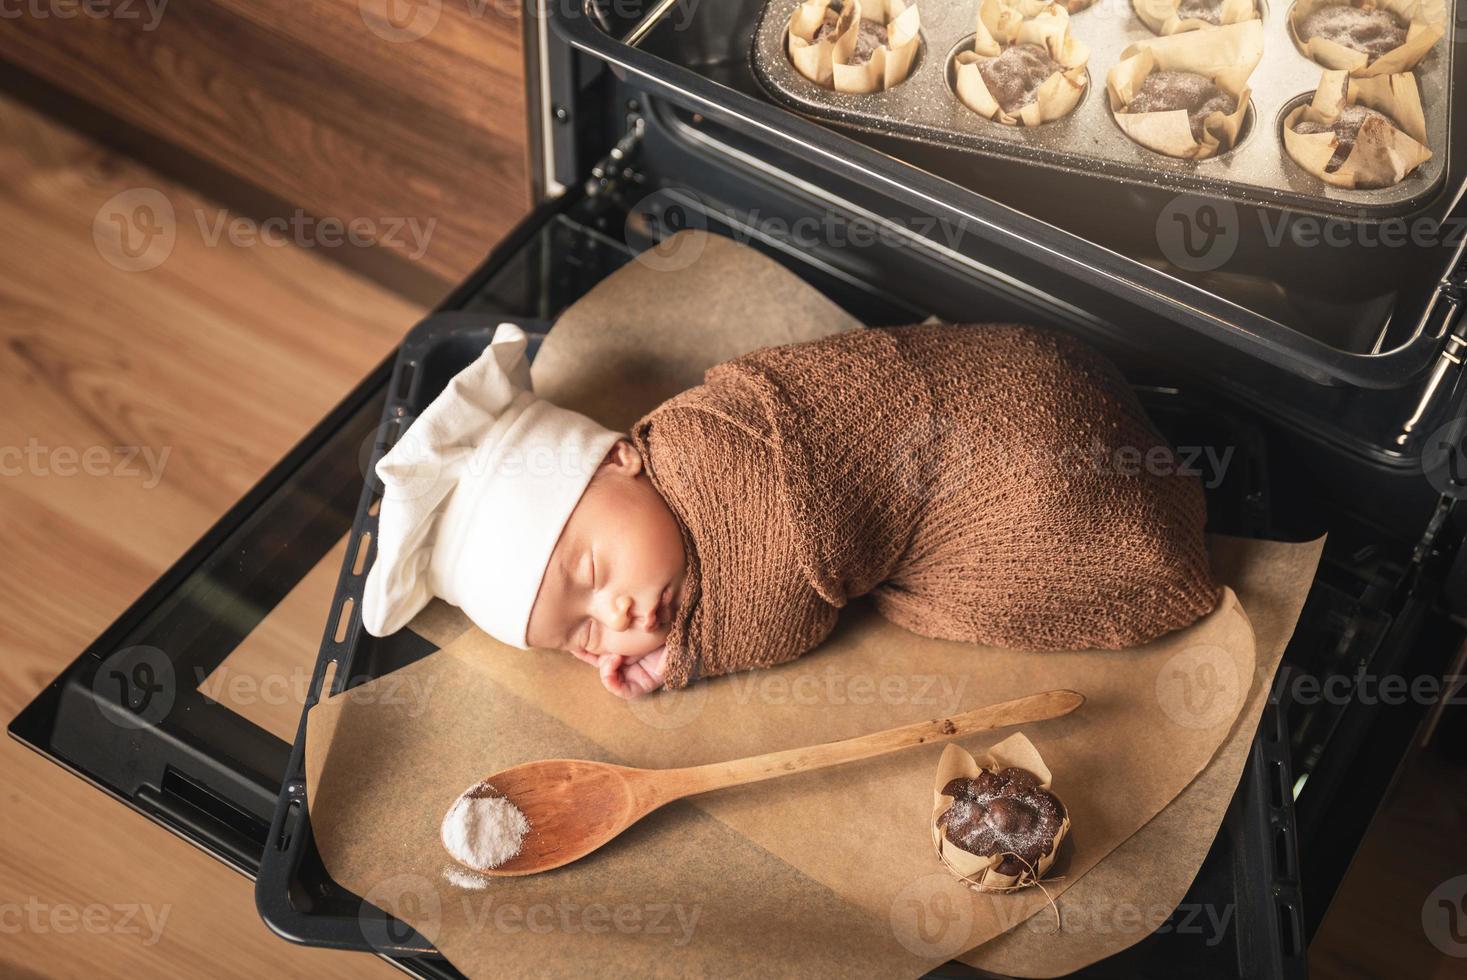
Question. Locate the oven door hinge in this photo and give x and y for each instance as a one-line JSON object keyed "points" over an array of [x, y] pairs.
{"points": [[614, 170], [1447, 303]]}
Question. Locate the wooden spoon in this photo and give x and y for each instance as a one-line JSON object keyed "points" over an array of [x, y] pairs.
{"points": [[573, 806]]}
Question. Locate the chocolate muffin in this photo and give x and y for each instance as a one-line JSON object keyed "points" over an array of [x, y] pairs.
{"points": [[1164, 91], [1346, 129], [1003, 813], [1369, 30], [869, 36], [1013, 78]]}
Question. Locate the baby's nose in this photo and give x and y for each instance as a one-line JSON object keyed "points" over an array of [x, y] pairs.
{"points": [[621, 608]]}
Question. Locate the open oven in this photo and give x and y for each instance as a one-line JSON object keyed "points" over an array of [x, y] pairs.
{"points": [[1327, 364]]}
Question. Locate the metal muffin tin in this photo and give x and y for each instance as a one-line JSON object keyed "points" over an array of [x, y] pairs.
{"points": [[1257, 170]]}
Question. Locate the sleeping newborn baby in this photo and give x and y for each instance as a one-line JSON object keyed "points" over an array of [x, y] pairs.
{"points": [[979, 483]]}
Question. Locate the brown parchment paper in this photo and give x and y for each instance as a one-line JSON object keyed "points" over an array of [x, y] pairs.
{"points": [[1384, 151], [1163, 16], [1227, 55], [1129, 894], [831, 871], [1425, 20]]}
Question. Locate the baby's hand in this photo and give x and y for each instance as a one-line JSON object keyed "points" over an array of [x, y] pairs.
{"points": [[632, 680]]}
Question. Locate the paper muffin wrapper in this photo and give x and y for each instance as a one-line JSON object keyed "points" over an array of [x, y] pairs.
{"points": [[1426, 24], [1225, 55], [1001, 25], [1161, 15], [1031, 7], [1384, 153], [979, 871], [827, 62]]}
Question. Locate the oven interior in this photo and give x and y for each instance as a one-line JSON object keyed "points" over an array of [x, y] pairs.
{"points": [[1317, 298]]}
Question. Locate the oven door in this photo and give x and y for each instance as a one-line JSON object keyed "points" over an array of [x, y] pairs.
{"points": [[185, 709]]}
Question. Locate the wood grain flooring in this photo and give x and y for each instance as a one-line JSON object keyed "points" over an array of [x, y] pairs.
{"points": [[216, 362], [349, 109]]}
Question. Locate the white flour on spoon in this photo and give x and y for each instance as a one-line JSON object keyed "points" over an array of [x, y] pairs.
{"points": [[483, 829]]}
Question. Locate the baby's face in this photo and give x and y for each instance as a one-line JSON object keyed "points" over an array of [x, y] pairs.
{"points": [[616, 575]]}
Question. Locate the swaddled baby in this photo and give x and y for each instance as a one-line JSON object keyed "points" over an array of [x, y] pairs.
{"points": [[992, 484]]}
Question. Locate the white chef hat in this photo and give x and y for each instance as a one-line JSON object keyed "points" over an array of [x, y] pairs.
{"points": [[475, 495]]}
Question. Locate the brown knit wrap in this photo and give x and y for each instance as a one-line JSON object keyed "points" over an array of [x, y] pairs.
{"points": [[994, 484]]}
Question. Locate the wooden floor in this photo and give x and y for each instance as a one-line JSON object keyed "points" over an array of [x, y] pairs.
{"points": [[220, 357]]}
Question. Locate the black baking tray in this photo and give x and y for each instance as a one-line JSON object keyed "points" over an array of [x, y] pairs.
{"points": [[1256, 170], [1359, 315], [1250, 877]]}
